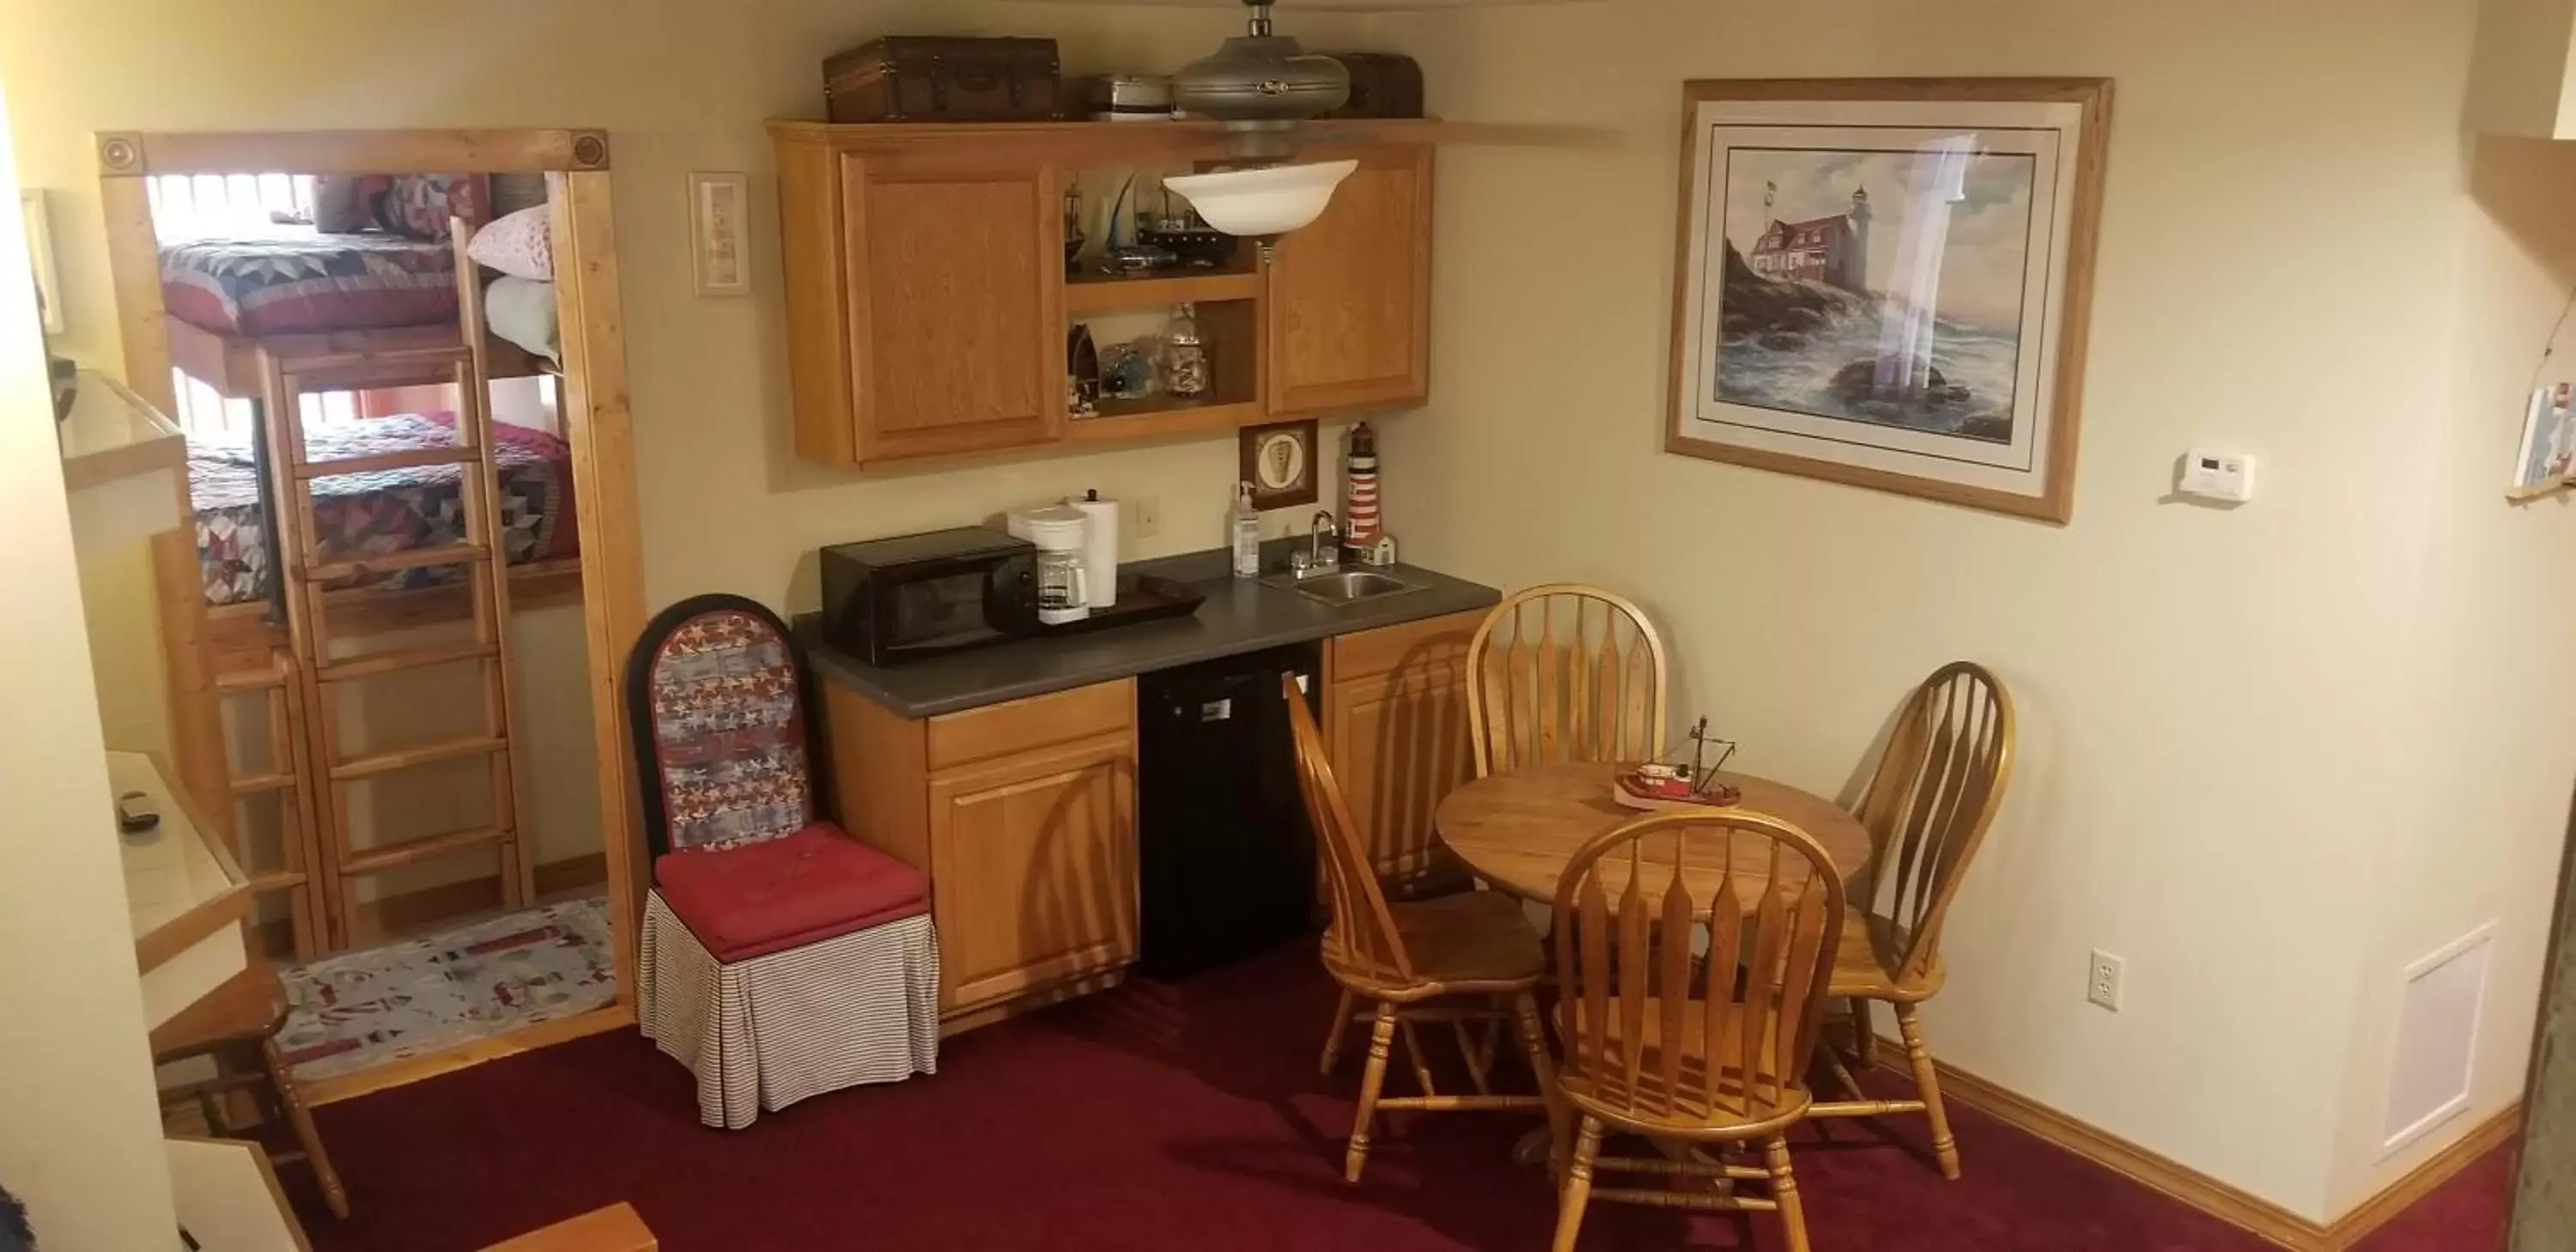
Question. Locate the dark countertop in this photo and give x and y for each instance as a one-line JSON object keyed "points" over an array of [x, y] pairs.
{"points": [[1240, 615]]}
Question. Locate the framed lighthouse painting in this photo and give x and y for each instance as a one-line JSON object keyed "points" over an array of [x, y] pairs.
{"points": [[1886, 282]]}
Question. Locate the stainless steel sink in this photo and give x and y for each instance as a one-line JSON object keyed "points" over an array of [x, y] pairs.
{"points": [[1344, 587]]}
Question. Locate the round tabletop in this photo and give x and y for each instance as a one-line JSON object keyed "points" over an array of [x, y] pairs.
{"points": [[1518, 830]]}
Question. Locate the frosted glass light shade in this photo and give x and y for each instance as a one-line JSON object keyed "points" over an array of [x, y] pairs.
{"points": [[1271, 200]]}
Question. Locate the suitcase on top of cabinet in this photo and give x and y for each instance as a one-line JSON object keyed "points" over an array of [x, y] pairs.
{"points": [[1383, 84], [933, 78]]}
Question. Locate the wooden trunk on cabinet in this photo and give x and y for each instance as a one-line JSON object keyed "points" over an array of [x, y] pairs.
{"points": [[1350, 295], [1395, 723], [1023, 816]]}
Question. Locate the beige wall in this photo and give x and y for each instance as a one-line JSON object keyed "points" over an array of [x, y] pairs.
{"points": [[2250, 739], [81, 1141]]}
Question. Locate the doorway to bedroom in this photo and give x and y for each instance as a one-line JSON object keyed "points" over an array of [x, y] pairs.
{"points": [[410, 569]]}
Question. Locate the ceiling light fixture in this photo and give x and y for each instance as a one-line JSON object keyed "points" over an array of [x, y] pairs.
{"points": [[1260, 85]]}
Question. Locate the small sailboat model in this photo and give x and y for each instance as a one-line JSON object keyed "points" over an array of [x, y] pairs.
{"points": [[1657, 785]]}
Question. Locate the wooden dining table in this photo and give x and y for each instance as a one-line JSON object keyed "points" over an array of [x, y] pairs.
{"points": [[1519, 830]]}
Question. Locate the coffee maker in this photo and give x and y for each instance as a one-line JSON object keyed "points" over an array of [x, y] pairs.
{"points": [[1063, 581]]}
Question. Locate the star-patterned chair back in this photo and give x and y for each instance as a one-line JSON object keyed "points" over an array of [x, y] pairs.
{"points": [[716, 690]]}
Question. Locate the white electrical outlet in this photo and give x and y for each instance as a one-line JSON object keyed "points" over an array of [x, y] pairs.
{"points": [[1144, 516], [2102, 984]]}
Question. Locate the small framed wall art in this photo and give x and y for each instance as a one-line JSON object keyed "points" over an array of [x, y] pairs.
{"points": [[1279, 462], [718, 207], [1886, 282]]}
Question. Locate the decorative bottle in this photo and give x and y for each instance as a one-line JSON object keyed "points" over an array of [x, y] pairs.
{"points": [[1359, 485]]}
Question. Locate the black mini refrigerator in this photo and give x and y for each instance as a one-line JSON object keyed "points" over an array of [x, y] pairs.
{"points": [[1228, 857]]}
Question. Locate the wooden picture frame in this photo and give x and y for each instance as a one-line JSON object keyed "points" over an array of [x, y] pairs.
{"points": [[718, 208], [1887, 282], [1278, 459]]}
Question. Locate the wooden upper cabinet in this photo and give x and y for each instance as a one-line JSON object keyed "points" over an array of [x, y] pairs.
{"points": [[923, 305], [1350, 295], [927, 305]]}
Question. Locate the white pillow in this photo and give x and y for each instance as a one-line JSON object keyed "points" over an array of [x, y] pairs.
{"points": [[522, 310], [521, 245]]}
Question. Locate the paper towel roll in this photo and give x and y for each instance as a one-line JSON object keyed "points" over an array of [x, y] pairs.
{"points": [[1100, 549]]}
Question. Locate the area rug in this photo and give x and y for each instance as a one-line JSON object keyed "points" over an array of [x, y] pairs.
{"points": [[362, 1009]]}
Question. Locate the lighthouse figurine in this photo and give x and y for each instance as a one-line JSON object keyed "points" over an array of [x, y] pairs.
{"points": [[1361, 521]]}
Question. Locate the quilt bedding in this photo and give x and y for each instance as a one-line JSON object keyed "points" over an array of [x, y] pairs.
{"points": [[297, 284], [383, 512]]}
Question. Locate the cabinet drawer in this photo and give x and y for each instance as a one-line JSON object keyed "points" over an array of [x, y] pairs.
{"points": [[1433, 640], [1036, 722]]}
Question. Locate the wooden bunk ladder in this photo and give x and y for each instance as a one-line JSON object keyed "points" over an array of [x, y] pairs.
{"points": [[291, 780], [310, 571]]}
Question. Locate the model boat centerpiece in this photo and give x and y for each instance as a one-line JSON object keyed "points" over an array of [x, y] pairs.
{"points": [[1658, 785]]}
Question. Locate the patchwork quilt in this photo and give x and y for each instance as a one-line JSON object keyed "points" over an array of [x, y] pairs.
{"points": [[383, 512], [296, 284]]}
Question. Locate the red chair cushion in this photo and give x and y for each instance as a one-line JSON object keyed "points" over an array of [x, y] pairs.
{"points": [[757, 898]]}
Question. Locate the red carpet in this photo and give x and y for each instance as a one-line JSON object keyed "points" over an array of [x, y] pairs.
{"points": [[1185, 1118]]}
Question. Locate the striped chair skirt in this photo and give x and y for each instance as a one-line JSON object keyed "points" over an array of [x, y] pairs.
{"points": [[766, 1031]]}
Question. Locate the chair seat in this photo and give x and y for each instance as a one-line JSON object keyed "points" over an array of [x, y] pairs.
{"points": [[1607, 1083], [1867, 963], [1478, 941], [816, 884]]}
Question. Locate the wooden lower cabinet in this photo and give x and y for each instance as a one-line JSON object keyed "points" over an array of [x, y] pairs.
{"points": [[1023, 814], [1395, 721], [1035, 858]]}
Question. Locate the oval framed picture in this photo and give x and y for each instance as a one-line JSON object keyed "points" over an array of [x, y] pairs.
{"points": [[1279, 461]]}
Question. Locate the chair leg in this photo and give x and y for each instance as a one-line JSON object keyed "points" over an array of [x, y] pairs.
{"points": [[1784, 1193], [1421, 1060], [1534, 1043], [1372, 1080], [282, 1084], [1578, 1186], [1927, 1083], [1864, 1035], [1341, 1027]]}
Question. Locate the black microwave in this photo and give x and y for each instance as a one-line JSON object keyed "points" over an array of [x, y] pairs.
{"points": [[887, 601]]}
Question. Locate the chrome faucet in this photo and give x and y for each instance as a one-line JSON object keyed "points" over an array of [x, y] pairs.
{"points": [[1323, 554]]}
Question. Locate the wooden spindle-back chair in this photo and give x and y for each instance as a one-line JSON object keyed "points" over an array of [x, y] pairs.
{"points": [[1700, 1051], [1927, 807], [1563, 672], [1414, 960]]}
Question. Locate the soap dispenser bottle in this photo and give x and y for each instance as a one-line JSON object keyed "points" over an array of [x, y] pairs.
{"points": [[1243, 528]]}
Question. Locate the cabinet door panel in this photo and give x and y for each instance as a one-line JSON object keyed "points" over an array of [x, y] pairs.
{"points": [[1036, 870], [954, 283], [1350, 317], [1399, 745]]}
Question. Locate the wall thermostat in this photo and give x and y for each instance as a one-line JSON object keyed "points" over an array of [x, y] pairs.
{"points": [[2214, 475]]}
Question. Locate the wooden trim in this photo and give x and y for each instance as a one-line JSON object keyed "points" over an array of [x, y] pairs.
{"points": [[467, 1055], [134, 266], [144, 153], [240, 636], [2369, 1215], [2228, 1203], [410, 912], [960, 1022], [617, 1228], [600, 428], [232, 364], [2056, 503]]}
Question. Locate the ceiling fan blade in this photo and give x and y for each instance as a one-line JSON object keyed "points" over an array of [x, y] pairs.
{"points": [[1355, 130]]}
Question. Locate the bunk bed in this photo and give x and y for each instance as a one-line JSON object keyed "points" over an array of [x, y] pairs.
{"points": [[393, 522], [232, 307]]}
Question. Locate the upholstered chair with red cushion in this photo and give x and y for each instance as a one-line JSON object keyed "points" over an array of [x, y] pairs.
{"points": [[781, 957]]}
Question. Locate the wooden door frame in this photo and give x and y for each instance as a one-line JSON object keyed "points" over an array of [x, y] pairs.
{"points": [[597, 422]]}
